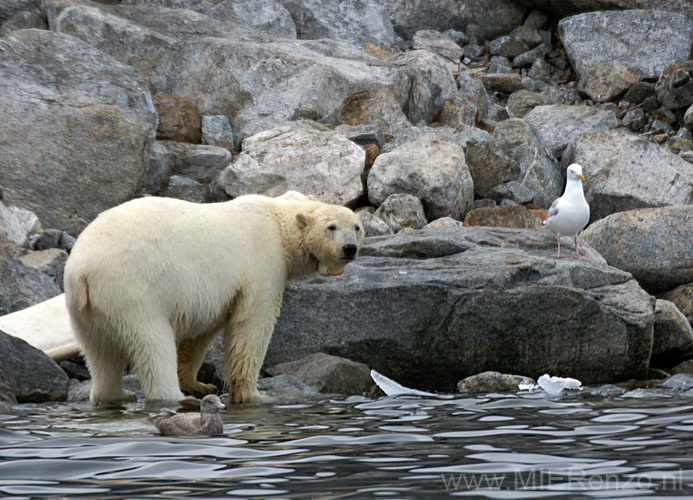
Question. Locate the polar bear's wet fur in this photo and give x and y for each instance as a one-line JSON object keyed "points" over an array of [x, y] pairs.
{"points": [[152, 281]]}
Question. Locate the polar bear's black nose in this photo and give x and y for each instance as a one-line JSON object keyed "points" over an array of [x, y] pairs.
{"points": [[349, 251]]}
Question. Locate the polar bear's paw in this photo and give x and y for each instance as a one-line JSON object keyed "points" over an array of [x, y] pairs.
{"points": [[122, 397], [198, 389]]}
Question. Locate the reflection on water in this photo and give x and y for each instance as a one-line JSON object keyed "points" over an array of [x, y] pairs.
{"points": [[601, 443]]}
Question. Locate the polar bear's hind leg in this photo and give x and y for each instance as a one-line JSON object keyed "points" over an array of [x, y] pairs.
{"points": [[155, 360], [191, 352]]}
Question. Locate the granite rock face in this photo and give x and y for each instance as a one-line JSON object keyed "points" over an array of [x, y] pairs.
{"points": [[624, 171], [653, 39], [99, 109], [464, 301], [654, 245], [32, 376]]}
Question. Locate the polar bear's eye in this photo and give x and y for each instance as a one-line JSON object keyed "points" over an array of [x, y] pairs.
{"points": [[332, 227], [357, 229]]}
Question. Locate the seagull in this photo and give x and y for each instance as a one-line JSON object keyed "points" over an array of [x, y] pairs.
{"points": [[570, 213], [206, 423]]}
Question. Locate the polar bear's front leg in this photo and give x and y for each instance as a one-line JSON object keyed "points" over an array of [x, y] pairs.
{"points": [[246, 341]]}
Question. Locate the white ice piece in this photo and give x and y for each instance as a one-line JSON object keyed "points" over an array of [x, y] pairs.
{"points": [[392, 388], [555, 386]]}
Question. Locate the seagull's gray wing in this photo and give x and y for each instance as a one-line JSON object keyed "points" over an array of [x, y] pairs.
{"points": [[553, 209]]}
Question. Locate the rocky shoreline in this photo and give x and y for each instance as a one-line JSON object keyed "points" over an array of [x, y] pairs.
{"points": [[447, 127]]}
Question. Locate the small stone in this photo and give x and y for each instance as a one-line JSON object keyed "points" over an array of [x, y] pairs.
{"points": [[67, 241], [507, 46], [513, 216], [491, 382], [506, 83], [674, 88], [23, 20], [285, 386], [75, 370], [363, 135], [688, 118], [51, 262], [514, 191], [373, 225], [186, 189], [605, 81], [673, 336], [635, 119], [402, 211], [216, 131], [523, 101], [685, 367], [639, 92], [328, 374], [528, 58], [437, 42], [18, 225], [682, 296], [49, 238], [442, 223], [500, 64], [179, 119]]}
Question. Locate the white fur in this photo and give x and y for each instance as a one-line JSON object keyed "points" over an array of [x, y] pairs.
{"points": [[152, 281]]}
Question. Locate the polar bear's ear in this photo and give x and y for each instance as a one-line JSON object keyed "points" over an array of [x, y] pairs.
{"points": [[303, 220]]}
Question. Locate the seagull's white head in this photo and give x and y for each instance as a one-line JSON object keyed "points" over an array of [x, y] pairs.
{"points": [[575, 172]]}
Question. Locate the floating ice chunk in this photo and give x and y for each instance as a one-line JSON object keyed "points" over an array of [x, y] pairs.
{"points": [[392, 388], [680, 381], [528, 386], [554, 386]]}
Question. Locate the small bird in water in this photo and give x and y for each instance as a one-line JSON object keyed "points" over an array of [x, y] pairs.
{"points": [[206, 423], [570, 213]]}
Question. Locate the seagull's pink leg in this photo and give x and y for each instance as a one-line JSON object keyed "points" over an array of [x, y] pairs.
{"points": [[558, 255], [577, 255]]}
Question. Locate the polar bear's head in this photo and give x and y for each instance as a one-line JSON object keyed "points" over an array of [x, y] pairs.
{"points": [[332, 234]]}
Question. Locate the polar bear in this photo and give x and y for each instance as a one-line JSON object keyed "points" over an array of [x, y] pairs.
{"points": [[152, 281]]}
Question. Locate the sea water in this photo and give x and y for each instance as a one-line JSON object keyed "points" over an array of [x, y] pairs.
{"points": [[600, 442]]}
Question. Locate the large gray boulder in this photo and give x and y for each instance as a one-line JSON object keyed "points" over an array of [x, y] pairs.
{"points": [[652, 244], [76, 128], [18, 225], [557, 125], [673, 336], [22, 286], [8, 8], [515, 154], [431, 307], [30, 374], [199, 162], [354, 21], [258, 82], [433, 171], [569, 7], [485, 19], [649, 40], [682, 297], [624, 171], [269, 16], [327, 374], [431, 83], [324, 164]]}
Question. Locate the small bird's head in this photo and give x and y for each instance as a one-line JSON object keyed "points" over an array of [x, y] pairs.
{"points": [[575, 172], [211, 404]]}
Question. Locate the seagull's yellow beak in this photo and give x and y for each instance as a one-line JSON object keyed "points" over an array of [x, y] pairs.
{"points": [[581, 176]]}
